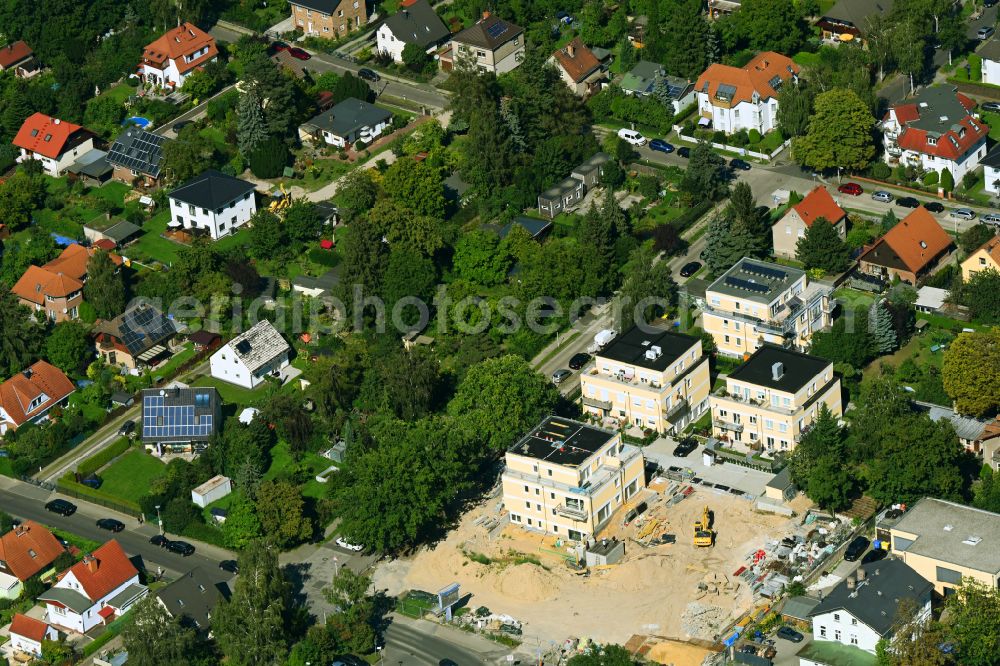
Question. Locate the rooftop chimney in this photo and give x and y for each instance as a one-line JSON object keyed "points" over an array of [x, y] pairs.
{"points": [[850, 583], [571, 50], [91, 563], [56, 121], [861, 574], [486, 14], [777, 370]]}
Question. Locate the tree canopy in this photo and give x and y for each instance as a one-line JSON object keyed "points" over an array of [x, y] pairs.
{"points": [[841, 133]]}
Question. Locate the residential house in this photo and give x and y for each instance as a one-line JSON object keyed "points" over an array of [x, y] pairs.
{"points": [[192, 598], [330, 19], [971, 431], [536, 228], [213, 203], [347, 123], [731, 99], [757, 302], [94, 591], [719, 8], [991, 171], [168, 61], [25, 551], [990, 446], [252, 356], [934, 131], [137, 157], [568, 478], [774, 398], [652, 379], [27, 634], [646, 76], [19, 57], [848, 20], [108, 235], [135, 339], [53, 142], [571, 191], [580, 68], [990, 53], [56, 288], [417, 23], [180, 419], [792, 226], [590, 172], [946, 542], [931, 299], [866, 607], [491, 45], [985, 258], [30, 395], [908, 251]]}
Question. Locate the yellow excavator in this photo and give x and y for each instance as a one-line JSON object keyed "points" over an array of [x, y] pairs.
{"points": [[704, 535], [279, 204]]}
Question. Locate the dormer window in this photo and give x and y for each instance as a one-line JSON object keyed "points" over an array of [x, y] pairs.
{"points": [[931, 141], [48, 137], [961, 133], [34, 133]]}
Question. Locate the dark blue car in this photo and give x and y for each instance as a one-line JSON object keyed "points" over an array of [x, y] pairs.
{"points": [[661, 145]]}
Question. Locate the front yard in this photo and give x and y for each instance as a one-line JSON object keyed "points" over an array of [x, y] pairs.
{"points": [[233, 394], [130, 476]]}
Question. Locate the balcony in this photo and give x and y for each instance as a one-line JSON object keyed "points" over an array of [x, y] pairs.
{"points": [[604, 405], [622, 378], [722, 394], [727, 425], [677, 410], [578, 515]]}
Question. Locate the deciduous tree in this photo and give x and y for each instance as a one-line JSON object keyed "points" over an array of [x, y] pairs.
{"points": [[281, 512], [968, 372], [152, 636], [821, 247], [478, 259], [20, 337], [416, 186], [840, 133], [69, 347], [105, 286]]}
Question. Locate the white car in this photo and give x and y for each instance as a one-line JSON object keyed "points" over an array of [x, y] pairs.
{"points": [[993, 219], [348, 545], [631, 136]]}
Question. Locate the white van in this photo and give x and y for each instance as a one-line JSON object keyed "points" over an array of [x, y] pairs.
{"points": [[632, 137]]}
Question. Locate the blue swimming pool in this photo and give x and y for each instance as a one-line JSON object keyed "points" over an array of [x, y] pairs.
{"points": [[138, 121]]}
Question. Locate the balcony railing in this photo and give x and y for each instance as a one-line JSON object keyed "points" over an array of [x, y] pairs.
{"points": [[578, 515], [679, 406], [727, 425], [753, 402]]}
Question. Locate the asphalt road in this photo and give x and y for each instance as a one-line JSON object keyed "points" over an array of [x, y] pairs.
{"points": [[28, 503], [418, 642]]}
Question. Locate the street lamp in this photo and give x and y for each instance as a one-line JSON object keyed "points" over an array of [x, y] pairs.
{"points": [[159, 521], [381, 657]]}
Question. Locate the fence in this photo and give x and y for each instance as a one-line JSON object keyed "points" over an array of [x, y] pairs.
{"points": [[744, 152], [80, 491]]}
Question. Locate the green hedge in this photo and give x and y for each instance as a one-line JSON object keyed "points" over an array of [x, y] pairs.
{"points": [[691, 215], [206, 533], [113, 630], [104, 456], [68, 486]]}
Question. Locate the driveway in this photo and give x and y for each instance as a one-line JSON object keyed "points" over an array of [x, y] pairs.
{"points": [[750, 481]]}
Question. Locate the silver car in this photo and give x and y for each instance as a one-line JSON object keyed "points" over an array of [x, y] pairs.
{"points": [[963, 214], [992, 218], [560, 375], [882, 195]]}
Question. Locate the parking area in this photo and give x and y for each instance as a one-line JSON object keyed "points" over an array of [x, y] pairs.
{"points": [[750, 481]]}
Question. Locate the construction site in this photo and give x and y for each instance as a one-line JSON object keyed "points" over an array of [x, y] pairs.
{"points": [[672, 582]]}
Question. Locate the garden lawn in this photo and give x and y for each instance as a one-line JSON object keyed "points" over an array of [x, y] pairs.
{"points": [[168, 369], [152, 246], [853, 298], [321, 173], [231, 393], [282, 462], [130, 476], [119, 93], [91, 412]]}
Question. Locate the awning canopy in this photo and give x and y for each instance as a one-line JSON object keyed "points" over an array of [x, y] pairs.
{"points": [[704, 122], [152, 353]]}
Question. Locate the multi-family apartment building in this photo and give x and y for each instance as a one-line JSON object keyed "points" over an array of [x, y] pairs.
{"points": [[651, 379], [773, 399], [731, 99], [568, 478], [757, 302], [330, 19]]}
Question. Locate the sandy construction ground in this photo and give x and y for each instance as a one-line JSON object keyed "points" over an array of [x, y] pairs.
{"points": [[653, 591]]}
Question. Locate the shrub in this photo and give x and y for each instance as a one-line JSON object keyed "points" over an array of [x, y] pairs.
{"points": [[103, 457], [930, 178], [900, 173], [649, 186], [969, 180], [269, 159], [881, 171], [755, 136], [54, 202], [718, 136], [359, 145], [688, 129], [975, 67]]}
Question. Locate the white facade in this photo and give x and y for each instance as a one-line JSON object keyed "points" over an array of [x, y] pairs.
{"points": [[57, 167], [211, 491], [220, 222], [958, 168], [231, 366], [367, 134], [386, 42], [171, 74], [840, 626], [760, 115], [29, 645], [991, 72], [90, 618], [991, 174]]}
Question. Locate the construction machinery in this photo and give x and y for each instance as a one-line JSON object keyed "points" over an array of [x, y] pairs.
{"points": [[704, 535], [280, 203]]}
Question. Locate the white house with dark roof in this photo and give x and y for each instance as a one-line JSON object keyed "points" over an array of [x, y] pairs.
{"points": [[192, 598], [252, 356], [213, 203], [414, 23], [347, 123], [990, 53], [491, 45]]}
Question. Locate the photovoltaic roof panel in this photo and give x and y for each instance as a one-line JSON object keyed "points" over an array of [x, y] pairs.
{"points": [[138, 150], [740, 283], [143, 327], [764, 271], [497, 29]]}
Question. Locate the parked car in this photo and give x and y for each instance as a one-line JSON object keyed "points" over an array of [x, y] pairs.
{"points": [[934, 206], [685, 446], [127, 428], [298, 53], [180, 547], [882, 195], [578, 361], [369, 75], [92, 481], [789, 634], [990, 106], [230, 565], [874, 555], [110, 524], [661, 145], [344, 543], [985, 32], [690, 268], [962, 214], [631, 136], [181, 124], [737, 163], [159, 540], [992, 218], [560, 375], [853, 189], [61, 506], [856, 549], [278, 46], [684, 152], [907, 202]]}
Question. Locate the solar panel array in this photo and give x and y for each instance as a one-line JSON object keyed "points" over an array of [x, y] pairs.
{"points": [[763, 271], [675, 91], [754, 287], [496, 29], [143, 154], [143, 327], [178, 422]]}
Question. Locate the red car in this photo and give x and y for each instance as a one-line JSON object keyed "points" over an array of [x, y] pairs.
{"points": [[298, 53], [851, 188]]}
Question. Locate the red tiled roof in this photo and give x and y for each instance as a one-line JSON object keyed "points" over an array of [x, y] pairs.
{"points": [[106, 612], [906, 113], [578, 61], [756, 76], [14, 53], [73, 261], [916, 241], [104, 570], [819, 203], [44, 135], [29, 627], [178, 42], [105, 244], [28, 549], [17, 392], [37, 283], [951, 145], [991, 248], [965, 101]]}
